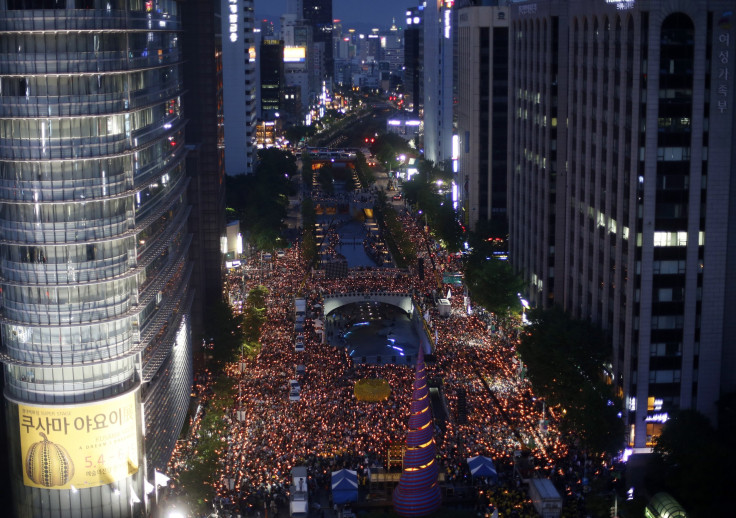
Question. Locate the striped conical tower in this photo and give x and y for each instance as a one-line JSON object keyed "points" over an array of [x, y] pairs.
{"points": [[418, 492]]}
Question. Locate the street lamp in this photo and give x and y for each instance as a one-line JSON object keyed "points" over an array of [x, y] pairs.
{"points": [[524, 307]]}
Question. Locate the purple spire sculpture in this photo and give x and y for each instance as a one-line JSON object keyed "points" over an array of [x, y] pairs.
{"points": [[418, 492]]}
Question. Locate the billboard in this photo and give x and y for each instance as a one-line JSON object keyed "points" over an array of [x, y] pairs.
{"points": [[84, 445], [295, 54]]}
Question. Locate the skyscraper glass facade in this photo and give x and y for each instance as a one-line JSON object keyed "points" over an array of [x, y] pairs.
{"points": [[93, 236]]}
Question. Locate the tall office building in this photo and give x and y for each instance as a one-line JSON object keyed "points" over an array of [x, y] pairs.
{"points": [[202, 44], [318, 14], [295, 7], [621, 142], [414, 57], [272, 78], [297, 38], [392, 49], [482, 113], [240, 85], [438, 80], [537, 99], [267, 28], [93, 235]]}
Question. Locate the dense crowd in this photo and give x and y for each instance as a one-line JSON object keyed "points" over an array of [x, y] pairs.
{"points": [[327, 428]]}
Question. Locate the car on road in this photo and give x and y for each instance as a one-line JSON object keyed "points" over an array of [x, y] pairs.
{"points": [[398, 196]]}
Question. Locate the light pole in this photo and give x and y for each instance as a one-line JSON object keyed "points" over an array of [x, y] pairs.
{"points": [[524, 307]]}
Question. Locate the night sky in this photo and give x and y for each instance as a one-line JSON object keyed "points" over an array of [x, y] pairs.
{"points": [[377, 13]]}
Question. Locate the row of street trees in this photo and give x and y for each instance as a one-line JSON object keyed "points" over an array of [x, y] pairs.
{"points": [[233, 336], [566, 358], [402, 248], [199, 479], [260, 201], [310, 247], [387, 147], [428, 192], [364, 171], [492, 282]]}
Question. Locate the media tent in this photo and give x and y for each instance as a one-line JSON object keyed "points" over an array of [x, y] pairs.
{"points": [[481, 466], [344, 486]]}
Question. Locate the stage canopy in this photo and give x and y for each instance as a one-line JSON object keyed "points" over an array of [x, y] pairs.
{"points": [[344, 486], [482, 467]]}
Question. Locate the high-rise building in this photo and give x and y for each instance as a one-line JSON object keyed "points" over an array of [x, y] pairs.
{"points": [[272, 78], [297, 38], [239, 85], [202, 44], [318, 14], [483, 69], [414, 57], [621, 170], [95, 273], [392, 49], [295, 7], [438, 80], [296, 75], [267, 28], [536, 148]]}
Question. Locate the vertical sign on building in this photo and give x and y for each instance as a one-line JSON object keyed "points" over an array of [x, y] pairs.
{"points": [[233, 20], [448, 17], [722, 58]]}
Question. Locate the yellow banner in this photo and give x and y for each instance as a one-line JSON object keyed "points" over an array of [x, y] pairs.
{"points": [[85, 445]]}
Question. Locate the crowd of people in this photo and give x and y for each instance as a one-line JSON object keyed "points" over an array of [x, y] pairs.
{"points": [[327, 428]]}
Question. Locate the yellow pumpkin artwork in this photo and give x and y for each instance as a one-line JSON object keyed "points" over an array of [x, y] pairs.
{"points": [[49, 464]]}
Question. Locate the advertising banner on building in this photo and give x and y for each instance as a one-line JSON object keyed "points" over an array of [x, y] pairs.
{"points": [[84, 445]]}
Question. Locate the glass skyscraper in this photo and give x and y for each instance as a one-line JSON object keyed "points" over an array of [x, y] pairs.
{"points": [[94, 315]]}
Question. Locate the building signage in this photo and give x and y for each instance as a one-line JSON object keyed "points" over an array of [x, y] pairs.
{"points": [[528, 9], [295, 54], [85, 445], [722, 58], [657, 418], [233, 19], [622, 5]]}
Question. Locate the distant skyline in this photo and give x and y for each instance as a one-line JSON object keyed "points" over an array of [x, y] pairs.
{"points": [[377, 13]]}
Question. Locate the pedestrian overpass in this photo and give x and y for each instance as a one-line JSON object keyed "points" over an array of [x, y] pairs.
{"points": [[399, 299]]}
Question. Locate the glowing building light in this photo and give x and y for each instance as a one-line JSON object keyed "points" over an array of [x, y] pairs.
{"points": [[448, 23]]}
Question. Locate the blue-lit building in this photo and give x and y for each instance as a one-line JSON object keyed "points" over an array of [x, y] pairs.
{"points": [[438, 72]]}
